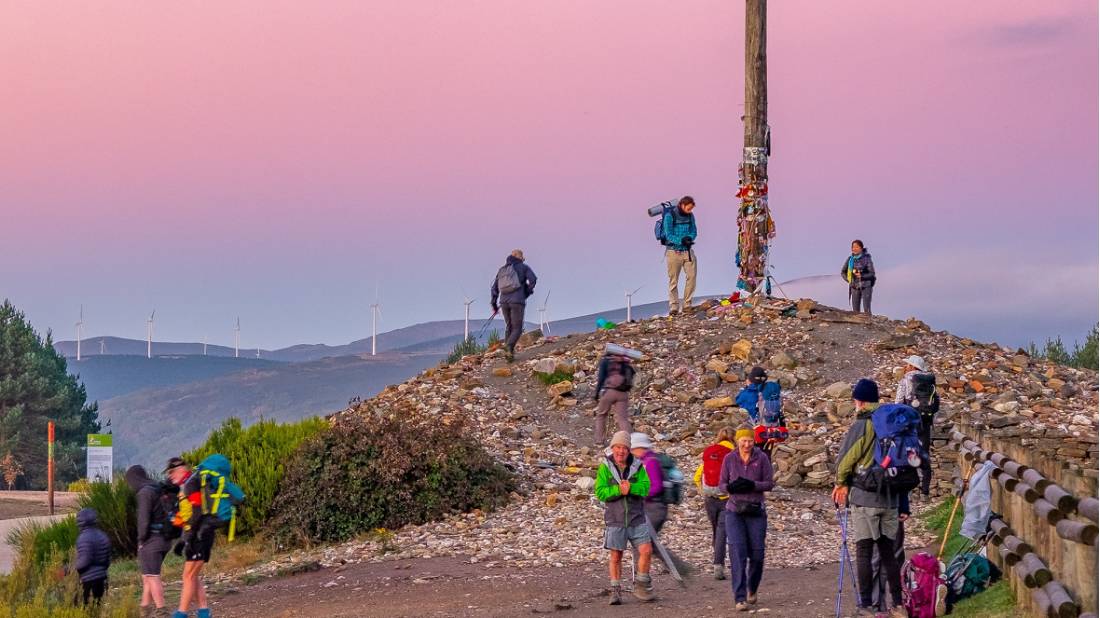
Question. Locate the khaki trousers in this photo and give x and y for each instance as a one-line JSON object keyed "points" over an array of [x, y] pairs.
{"points": [[677, 261]]}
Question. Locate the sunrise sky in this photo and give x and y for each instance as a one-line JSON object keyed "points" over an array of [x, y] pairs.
{"points": [[280, 160]]}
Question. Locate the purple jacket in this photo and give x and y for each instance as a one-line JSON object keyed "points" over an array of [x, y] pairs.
{"points": [[758, 470], [653, 469]]}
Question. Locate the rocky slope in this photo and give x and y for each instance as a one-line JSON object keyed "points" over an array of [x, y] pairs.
{"points": [[693, 366]]}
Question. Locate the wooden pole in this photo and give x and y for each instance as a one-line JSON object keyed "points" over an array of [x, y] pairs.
{"points": [[49, 463], [754, 222], [756, 74]]}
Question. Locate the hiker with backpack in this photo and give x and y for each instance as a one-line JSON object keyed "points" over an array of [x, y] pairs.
{"points": [[746, 474], [879, 578], [93, 556], [154, 534], [622, 485], [208, 501], [708, 480], [614, 379], [917, 389], [515, 281], [763, 404], [676, 231], [859, 272], [665, 486], [878, 461]]}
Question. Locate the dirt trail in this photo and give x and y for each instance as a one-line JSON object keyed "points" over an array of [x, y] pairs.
{"points": [[450, 587]]}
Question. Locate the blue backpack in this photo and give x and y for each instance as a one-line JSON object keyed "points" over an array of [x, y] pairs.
{"points": [[898, 452], [659, 227], [771, 413]]}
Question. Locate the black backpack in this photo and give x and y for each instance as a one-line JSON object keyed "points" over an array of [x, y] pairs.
{"points": [[924, 398], [165, 513], [623, 369]]}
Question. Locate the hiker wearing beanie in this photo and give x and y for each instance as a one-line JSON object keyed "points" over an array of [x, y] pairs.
{"points": [[707, 478], [515, 281], [749, 397], [614, 379], [622, 485], [874, 514], [859, 272], [152, 538], [918, 389], [746, 474], [93, 556], [678, 237]]}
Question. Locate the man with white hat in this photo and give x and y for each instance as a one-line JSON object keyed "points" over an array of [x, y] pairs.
{"points": [[918, 389]]}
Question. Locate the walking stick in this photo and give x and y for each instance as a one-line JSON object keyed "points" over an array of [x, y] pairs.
{"points": [[486, 325], [954, 509]]}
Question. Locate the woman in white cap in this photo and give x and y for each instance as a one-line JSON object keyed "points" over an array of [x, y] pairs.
{"points": [[918, 389]]}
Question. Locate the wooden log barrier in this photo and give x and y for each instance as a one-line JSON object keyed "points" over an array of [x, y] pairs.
{"points": [[1017, 546], [1089, 507], [1042, 601], [1061, 604], [1036, 573], [1036, 480], [999, 459], [1065, 501], [1006, 480], [1000, 528], [1015, 468], [1047, 511], [1078, 531], [1009, 557], [1026, 492]]}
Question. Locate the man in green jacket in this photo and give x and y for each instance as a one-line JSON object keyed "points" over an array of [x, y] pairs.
{"points": [[874, 519], [622, 485]]}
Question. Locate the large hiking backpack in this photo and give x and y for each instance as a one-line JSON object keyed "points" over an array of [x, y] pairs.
{"points": [[659, 227], [219, 496], [620, 375], [898, 452], [924, 398], [165, 517], [923, 592], [713, 456], [968, 574], [508, 279], [771, 405], [673, 480]]}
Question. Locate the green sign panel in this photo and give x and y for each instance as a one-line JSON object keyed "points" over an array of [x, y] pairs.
{"points": [[99, 439]]}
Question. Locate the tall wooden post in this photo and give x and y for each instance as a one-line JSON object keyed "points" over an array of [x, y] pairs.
{"points": [[49, 463], [754, 221]]}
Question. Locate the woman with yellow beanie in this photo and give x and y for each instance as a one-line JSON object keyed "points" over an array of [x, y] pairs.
{"points": [[746, 474]]}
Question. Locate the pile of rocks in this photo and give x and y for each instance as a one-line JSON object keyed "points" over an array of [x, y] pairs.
{"points": [[692, 368]]}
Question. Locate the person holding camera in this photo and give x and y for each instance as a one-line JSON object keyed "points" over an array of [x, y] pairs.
{"points": [[859, 272], [678, 233]]}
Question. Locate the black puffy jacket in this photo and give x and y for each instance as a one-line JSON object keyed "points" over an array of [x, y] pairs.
{"points": [[93, 548]]}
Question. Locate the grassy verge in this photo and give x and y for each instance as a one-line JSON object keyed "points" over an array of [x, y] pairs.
{"points": [[995, 602]]}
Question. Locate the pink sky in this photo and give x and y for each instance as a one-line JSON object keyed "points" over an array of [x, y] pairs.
{"points": [[278, 160]]}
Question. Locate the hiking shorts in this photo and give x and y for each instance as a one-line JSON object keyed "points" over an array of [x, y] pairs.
{"points": [[871, 523], [617, 538], [198, 547], [151, 554]]}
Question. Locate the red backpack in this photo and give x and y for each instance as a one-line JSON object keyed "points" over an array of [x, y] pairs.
{"points": [[713, 456]]}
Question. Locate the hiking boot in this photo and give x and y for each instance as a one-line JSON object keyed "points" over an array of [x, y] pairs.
{"points": [[941, 600], [509, 356], [751, 598], [147, 611], [643, 593], [616, 596], [741, 606], [161, 612], [719, 572]]}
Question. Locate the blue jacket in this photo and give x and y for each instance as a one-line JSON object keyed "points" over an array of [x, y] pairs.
{"points": [[519, 297], [93, 548], [678, 227], [749, 399]]}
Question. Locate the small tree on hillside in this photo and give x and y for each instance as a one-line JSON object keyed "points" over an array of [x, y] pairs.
{"points": [[11, 470]]}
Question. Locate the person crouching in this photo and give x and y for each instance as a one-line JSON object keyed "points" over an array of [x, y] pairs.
{"points": [[622, 485]]}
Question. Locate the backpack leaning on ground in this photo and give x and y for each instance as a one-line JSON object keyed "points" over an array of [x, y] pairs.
{"points": [[508, 280], [968, 574], [673, 480], [897, 451], [923, 591]]}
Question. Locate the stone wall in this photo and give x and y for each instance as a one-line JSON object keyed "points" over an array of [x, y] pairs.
{"points": [[1067, 461]]}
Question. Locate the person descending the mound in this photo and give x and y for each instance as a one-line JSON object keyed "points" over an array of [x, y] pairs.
{"points": [[874, 509], [707, 479], [622, 485], [614, 379], [859, 272], [93, 556], [746, 474], [663, 489], [211, 499], [515, 281], [763, 403], [677, 232], [918, 390]]}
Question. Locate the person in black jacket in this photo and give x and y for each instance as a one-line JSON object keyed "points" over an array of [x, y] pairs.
{"points": [[93, 555], [859, 272], [153, 544], [512, 300]]}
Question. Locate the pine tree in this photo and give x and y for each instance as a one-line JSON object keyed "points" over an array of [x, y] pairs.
{"points": [[35, 388]]}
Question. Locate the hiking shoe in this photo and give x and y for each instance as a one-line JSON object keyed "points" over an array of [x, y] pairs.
{"points": [[751, 598], [941, 600], [898, 611], [147, 611], [643, 593], [616, 596], [741, 606], [719, 572], [161, 612]]}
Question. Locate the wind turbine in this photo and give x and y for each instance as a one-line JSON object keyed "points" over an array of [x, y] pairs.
{"points": [[204, 339], [149, 334], [375, 311], [629, 297], [237, 339], [466, 332], [79, 332], [544, 326], [102, 347]]}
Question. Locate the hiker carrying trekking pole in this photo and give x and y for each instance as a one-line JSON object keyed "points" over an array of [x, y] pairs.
{"points": [[859, 272], [514, 283]]}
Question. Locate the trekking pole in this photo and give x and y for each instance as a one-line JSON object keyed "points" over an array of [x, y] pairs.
{"points": [[486, 325], [845, 562], [954, 509]]}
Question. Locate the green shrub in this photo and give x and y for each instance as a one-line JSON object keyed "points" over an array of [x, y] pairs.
{"points": [[553, 378], [38, 542], [258, 455], [465, 347], [1082, 357], [368, 473], [115, 505], [48, 590]]}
